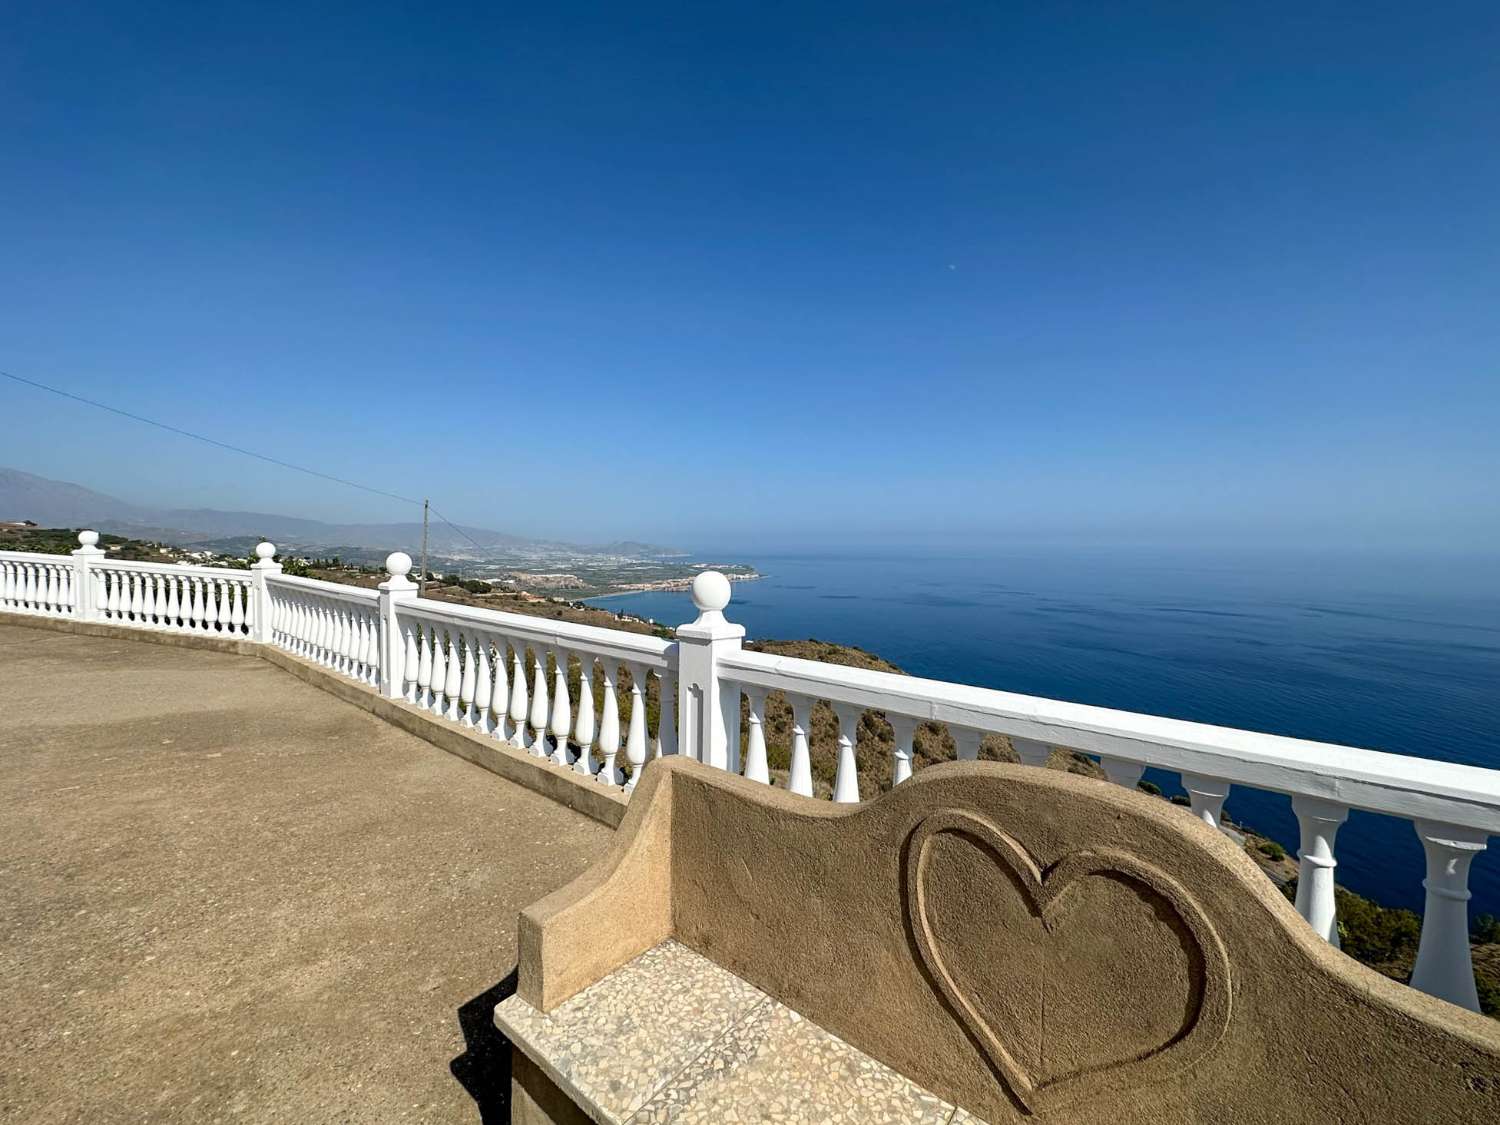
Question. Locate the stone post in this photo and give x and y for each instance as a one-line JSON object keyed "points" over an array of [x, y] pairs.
{"points": [[265, 563], [708, 710], [85, 600], [394, 591]]}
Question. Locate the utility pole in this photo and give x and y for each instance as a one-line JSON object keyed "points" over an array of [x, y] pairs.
{"points": [[422, 578]]}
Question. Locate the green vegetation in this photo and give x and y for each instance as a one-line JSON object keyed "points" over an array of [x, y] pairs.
{"points": [[1271, 850]]}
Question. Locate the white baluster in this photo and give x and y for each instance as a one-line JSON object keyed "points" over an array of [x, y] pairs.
{"points": [[439, 668], [322, 630], [1122, 772], [1206, 795], [562, 708], [484, 686], [197, 606], [53, 599], [31, 598], [500, 697], [354, 643], [666, 724], [800, 780], [467, 685], [253, 605], [7, 583], [539, 711], [966, 742], [412, 664], [372, 648], [846, 782], [903, 729], [424, 669], [454, 680], [609, 729], [518, 706], [1445, 966], [583, 729], [112, 578], [1031, 752], [211, 605], [635, 739], [148, 599], [237, 609], [137, 598], [349, 645], [174, 607], [101, 593], [65, 589], [756, 768], [1319, 823]]}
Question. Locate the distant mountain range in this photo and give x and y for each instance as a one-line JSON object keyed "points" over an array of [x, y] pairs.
{"points": [[53, 503]]}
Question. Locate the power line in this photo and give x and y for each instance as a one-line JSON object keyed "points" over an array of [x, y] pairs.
{"points": [[235, 449]]}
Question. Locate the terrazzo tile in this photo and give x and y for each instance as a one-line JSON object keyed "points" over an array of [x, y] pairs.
{"points": [[621, 1039], [776, 1066]]}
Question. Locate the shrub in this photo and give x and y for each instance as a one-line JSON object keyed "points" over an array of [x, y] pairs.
{"points": [[1272, 850], [1149, 787]]}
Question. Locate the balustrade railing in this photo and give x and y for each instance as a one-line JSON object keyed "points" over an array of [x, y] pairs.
{"points": [[184, 599], [42, 584], [555, 689], [577, 697]]}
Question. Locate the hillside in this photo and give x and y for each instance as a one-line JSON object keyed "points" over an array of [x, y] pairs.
{"points": [[64, 504]]}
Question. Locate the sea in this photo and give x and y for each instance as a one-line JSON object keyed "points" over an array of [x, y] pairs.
{"points": [[1386, 652]]}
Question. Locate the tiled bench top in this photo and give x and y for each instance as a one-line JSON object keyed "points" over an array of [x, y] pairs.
{"points": [[672, 1037]]}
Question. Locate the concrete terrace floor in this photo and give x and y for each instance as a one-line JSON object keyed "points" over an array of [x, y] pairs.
{"points": [[227, 896]]}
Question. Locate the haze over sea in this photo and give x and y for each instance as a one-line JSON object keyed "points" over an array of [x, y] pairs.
{"points": [[1391, 653]]}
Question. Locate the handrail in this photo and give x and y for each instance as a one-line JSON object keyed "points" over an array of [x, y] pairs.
{"points": [[648, 650], [1414, 788], [193, 570], [324, 589]]}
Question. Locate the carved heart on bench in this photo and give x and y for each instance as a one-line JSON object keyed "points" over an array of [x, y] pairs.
{"points": [[1100, 968]]}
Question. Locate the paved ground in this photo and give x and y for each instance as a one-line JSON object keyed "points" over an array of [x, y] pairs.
{"points": [[227, 896]]}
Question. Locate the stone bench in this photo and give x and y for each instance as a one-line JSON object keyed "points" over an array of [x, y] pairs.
{"points": [[985, 942]]}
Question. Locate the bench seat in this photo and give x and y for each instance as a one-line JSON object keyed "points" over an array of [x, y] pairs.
{"points": [[672, 1037]]}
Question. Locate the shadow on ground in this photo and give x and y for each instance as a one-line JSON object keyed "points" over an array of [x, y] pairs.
{"points": [[484, 1068]]}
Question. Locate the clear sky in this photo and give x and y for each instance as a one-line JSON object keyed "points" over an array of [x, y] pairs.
{"points": [[762, 272]]}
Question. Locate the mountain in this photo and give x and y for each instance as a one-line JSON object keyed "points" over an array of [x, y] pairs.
{"points": [[24, 496]]}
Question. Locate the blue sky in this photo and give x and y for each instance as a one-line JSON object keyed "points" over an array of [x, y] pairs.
{"points": [[774, 273]]}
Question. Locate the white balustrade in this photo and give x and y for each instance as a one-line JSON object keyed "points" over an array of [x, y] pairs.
{"points": [[38, 584], [468, 666]]}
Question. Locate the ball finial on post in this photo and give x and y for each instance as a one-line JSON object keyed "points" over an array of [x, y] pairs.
{"points": [[265, 551], [398, 564], [88, 538], [710, 595]]}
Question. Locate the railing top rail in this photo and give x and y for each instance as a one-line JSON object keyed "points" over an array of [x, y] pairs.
{"points": [[325, 589], [623, 645], [192, 570], [1397, 784], [35, 556]]}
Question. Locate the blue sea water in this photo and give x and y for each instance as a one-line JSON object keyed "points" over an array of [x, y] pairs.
{"points": [[1398, 654]]}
